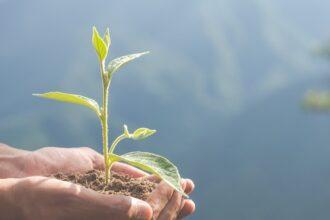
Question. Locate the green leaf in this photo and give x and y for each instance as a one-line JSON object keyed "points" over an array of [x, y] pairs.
{"points": [[99, 45], [126, 132], [317, 100], [106, 38], [72, 98], [142, 133], [155, 164], [117, 63]]}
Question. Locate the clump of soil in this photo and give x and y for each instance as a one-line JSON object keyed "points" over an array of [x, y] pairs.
{"points": [[119, 184]]}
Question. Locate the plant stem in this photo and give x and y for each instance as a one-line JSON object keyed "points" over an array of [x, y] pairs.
{"points": [[104, 121], [105, 134], [115, 142]]}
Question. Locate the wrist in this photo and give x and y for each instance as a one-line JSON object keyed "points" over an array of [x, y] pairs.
{"points": [[6, 150], [9, 208]]}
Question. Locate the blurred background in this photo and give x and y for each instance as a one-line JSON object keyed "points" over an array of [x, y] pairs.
{"points": [[223, 86]]}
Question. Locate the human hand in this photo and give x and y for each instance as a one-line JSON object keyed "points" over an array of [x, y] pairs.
{"points": [[164, 201], [50, 160], [46, 161], [47, 198]]}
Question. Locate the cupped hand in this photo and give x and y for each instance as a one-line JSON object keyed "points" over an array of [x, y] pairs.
{"points": [[46, 161], [164, 202], [47, 198], [50, 160]]}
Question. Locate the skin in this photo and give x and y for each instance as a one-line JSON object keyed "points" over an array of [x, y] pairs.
{"points": [[26, 194]]}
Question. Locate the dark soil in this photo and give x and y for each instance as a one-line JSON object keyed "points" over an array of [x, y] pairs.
{"points": [[119, 184]]}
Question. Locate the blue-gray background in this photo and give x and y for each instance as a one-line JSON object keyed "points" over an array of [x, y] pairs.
{"points": [[222, 86]]}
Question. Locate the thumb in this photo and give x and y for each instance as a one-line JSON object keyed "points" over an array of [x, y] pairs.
{"points": [[139, 210]]}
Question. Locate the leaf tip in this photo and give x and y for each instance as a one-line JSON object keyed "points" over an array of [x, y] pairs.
{"points": [[145, 53], [185, 195], [94, 31], [94, 28], [107, 37], [126, 132]]}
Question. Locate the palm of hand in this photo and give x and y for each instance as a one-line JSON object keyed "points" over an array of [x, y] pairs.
{"points": [[163, 203]]}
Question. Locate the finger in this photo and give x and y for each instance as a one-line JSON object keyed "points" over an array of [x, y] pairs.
{"points": [[172, 208], [98, 162], [124, 207], [114, 206], [153, 178], [97, 159], [190, 186], [187, 209], [127, 169], [139, 210], [159, 198]]}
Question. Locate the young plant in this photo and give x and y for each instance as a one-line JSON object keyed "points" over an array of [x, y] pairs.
{"points": [[146, 161]]}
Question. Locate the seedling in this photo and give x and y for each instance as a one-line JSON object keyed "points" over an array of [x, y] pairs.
{"points": [[146, 161]]}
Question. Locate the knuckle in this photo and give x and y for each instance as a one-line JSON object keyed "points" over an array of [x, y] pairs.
{"points": [[88, 150], [95, 158], [85, 148]]}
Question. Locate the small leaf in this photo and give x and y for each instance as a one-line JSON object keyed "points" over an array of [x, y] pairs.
{"points": [[117, 63], [126, 132], [142, 133], [99, 45], [155, 164], [106, 38], [72, 98]]}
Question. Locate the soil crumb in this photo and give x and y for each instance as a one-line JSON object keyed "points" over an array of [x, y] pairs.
{"points": [[119, 184]]}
